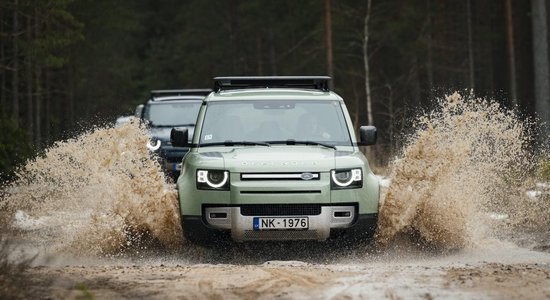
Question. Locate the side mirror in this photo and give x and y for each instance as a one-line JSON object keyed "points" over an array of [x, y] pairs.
{"points": [[139, 111], [368, 135], [179, 137]]}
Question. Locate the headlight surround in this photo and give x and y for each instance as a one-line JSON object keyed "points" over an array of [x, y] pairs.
{"points": [[154, 144], [213, 180], [346, 179]]}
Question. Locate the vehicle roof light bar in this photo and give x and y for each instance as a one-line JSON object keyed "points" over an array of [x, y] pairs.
{"points": [[240, 82], [183, 92]]}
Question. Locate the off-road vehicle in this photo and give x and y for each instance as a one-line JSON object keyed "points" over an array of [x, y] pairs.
{"points": [[275, 158], [164, 110]]}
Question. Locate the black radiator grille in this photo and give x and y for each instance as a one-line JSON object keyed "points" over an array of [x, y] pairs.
{"points": [[281, 210]]}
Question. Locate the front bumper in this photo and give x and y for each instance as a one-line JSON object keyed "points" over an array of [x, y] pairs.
{"points": [[237, 221]]}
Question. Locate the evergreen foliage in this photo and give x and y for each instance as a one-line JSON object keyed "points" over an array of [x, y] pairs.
{"points": [[68, 61]]}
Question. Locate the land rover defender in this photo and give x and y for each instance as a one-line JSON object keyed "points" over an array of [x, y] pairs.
{"points": [[275, 158], [164, 110]]}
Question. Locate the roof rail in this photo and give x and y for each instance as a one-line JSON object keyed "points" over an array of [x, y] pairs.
{"points": [[241, 82], [183, 92]]}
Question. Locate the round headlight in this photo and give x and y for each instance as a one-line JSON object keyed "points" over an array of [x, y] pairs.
{"points": [[213, 178], [344, 178]]}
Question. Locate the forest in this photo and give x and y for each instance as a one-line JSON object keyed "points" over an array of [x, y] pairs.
{"points": [[67, 65]]}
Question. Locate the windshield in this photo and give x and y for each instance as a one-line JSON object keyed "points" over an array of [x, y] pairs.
{"points": [[275, 121], [173, 113]]}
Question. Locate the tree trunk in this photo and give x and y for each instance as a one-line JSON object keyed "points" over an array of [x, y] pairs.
{"points": [[47, 105], [429, 63], [259, 52], [391, 114], [233, 24], [471, 78], [328, 42], [415, 79], [540, 55], [511, 52], [490, 44], [29, 83], [71, 96], [38, 108], [272, 52], [15, 80], [356, 110], [370, 119], [3, 84], [38, 95], [48, 87]]}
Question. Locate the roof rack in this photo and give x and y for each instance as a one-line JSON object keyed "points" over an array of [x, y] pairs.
{"points": [[241, 82], [183, 92]]}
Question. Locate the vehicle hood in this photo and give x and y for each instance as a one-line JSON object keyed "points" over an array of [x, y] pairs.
{"points": [[277, 159]]}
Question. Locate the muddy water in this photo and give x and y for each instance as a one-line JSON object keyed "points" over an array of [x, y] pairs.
{"points": [[460, 180], [459, 183], [98, 194]]}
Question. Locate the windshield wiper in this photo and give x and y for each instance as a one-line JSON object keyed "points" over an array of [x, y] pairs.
{"points": [[307, 143], [235, 143]]}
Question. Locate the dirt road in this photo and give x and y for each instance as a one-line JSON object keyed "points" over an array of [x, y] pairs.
{"points": [[503, 271]]}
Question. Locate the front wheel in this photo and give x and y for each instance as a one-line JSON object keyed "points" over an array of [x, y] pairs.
{"points": [[362, 232], [195, 232]]}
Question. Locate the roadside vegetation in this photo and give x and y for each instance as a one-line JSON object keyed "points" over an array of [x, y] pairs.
{"points": [[14, 149]]}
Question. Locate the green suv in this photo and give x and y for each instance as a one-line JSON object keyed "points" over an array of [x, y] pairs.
{"points": [[275, 158]]}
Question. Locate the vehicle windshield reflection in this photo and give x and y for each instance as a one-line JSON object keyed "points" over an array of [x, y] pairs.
{"points": [[304, 122], [173, 113]]}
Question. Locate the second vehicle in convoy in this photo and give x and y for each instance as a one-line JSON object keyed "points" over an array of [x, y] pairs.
{"points": [[275, 158], [165, 110]]}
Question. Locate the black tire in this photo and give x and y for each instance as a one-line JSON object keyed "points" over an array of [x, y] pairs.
{"points": [[361, 233], [195, 232]]}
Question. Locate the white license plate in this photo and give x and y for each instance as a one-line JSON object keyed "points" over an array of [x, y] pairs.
{"points": [[264, 223], [176, 167]]}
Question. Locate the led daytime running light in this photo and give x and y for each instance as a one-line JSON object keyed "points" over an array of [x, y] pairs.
{"points": [[355, 176], [202, 177]]}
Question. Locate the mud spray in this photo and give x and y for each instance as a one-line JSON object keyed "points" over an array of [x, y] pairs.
{"points": [[460, 181], [99, 194], [103, 194]]}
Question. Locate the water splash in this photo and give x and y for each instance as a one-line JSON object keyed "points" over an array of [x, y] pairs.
{"points": [[464, 162], [460, 179], [100, 193]]}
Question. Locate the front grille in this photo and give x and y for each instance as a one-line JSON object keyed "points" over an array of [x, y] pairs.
{"points": [[281, 210], [281, 176], [281, 192], [280, 235]]}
